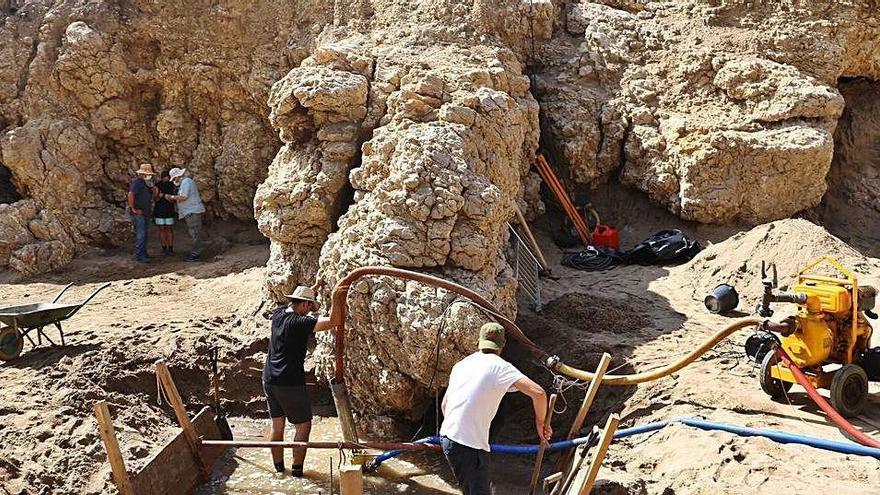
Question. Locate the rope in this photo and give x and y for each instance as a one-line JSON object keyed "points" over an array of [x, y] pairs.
{"points": [[436, 365]]}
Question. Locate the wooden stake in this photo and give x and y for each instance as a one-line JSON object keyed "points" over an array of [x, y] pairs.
{"points": [[522, 221], [563, 487], [536, 472], [551, 480], [117, 463], [189, 431], [581, 416], [596, 462], [351, 480]]}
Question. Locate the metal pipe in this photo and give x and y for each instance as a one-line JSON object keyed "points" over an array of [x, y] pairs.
{"points": [[261, 444]]}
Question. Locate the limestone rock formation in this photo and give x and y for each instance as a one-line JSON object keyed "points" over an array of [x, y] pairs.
{"points": [[88, 90], [402, 134], [433, 189], [719, 110]]}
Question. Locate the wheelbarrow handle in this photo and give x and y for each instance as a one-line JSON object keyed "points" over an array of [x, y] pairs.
{"points": [[99, 289], [62, 292]]}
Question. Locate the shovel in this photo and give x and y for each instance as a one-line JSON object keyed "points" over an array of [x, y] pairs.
{"points": [[219, 416]]}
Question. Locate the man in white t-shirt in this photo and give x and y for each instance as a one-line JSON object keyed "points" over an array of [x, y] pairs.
{"points": [[476, 386]]}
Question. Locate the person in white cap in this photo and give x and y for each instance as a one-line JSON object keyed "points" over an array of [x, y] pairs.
{"points": [[284, 377], [189, 208], [141, 193]]}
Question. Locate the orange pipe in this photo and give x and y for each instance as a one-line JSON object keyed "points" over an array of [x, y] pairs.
{"points": [[823, 404], [562, 196]]}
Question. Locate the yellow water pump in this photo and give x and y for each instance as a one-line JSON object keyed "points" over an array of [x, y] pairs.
{"points": [[830, 328]]}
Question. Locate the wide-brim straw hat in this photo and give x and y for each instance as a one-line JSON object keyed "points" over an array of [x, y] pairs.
{"points": [[303, 293], [176, 172], [146, 169]]}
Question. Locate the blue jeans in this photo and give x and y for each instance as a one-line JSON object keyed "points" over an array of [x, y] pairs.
{"points": [[470, 467], [140, 236]]}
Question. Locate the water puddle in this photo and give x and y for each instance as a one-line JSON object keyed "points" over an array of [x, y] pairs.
{"points": [[250, 471]]}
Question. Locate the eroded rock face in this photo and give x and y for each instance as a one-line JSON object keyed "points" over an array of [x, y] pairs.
{"points": [[452, 137], [720, 111], [88, 90]]}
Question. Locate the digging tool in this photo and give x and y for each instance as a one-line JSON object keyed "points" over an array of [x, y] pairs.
{"points": [[536, 472], [219, 415]]}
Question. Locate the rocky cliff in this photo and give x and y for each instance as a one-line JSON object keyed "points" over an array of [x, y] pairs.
{"points": [[361, 132]]}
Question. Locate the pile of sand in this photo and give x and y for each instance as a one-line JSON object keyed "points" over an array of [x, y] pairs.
{"points": [[791, 244]]}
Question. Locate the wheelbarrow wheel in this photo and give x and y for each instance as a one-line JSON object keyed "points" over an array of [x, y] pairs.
{"points": [[773, 387], [849, 390], [11, 343]]}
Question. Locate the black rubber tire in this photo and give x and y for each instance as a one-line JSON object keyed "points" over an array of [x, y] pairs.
{"points": [[849, 390], [11, 343], [773, 387]]}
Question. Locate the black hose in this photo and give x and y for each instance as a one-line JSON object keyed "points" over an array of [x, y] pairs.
{"points": [[592, 259]]}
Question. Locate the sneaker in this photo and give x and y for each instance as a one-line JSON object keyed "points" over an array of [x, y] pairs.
{"points": [[192, 257], [142, 260]]}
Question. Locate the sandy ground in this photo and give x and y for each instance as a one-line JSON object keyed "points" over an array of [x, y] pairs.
{"points": [[643, 316]]}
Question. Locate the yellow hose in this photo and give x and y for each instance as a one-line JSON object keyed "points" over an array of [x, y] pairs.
{"points": [[664, 371]]}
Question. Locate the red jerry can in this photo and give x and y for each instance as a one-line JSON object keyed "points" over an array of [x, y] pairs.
{"points": [[606, 236]]}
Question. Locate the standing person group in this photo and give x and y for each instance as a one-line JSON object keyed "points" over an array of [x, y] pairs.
{"points": [[174, 195]]}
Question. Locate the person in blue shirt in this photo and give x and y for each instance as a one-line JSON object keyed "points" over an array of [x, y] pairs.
{"points": [[189, 208], [141, 194]]}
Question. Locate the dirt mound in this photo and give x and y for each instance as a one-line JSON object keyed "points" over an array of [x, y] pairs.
{"points": [[791, 244], [577, 327]]}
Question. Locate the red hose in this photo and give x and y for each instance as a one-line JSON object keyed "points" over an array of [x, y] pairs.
{"points": [[822, 403]]}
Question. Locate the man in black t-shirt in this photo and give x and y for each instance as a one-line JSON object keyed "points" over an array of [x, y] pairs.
{"points": [[284, 378]]}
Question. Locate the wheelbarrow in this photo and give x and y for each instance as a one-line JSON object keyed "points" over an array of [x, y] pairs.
{"points": [[20, 321]]}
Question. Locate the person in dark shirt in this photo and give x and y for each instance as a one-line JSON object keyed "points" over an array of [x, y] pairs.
{"points": [[284, 377], [140, 202], [164, 213]]}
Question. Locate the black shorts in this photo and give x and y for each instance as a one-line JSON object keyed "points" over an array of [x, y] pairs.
{"points": [[291, 402], [470, 467]]}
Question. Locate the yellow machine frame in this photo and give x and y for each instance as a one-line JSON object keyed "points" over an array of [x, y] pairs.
{"points": [[819, 378]]}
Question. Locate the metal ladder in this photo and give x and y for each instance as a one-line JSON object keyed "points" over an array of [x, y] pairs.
{"points": [[526, 268]]}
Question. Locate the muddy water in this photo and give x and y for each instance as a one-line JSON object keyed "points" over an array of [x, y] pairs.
{"points": [[250, 471]]}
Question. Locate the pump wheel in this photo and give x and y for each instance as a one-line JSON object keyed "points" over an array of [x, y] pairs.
{"points": [[11, 343], [773, 387], [849, 390]]}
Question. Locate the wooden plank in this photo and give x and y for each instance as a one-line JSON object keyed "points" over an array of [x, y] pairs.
{"points": [[581, 416], [176, 402], [539, 459], [589, 479], [114, 455], [173, 470], [351, 480]]}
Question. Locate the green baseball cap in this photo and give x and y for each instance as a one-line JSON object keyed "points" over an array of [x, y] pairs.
{"points": [[492, 337]]}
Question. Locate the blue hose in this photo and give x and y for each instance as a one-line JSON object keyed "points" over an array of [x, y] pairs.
{"points": [[783, 437], [776, 436]]}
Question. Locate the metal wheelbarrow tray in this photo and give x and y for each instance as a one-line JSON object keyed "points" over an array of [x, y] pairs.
{"points": [[17, 322]]}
